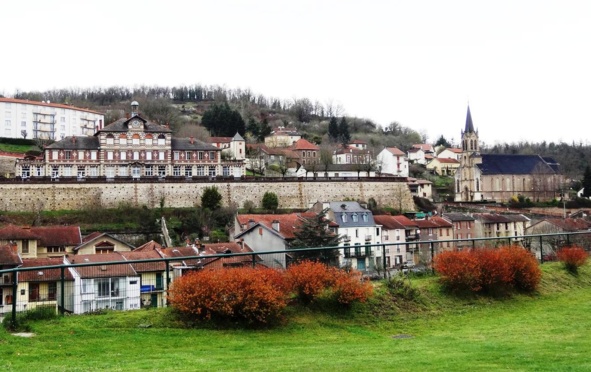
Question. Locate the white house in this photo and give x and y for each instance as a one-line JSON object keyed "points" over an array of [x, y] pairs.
{"points": [[359, 231], [392, 161], [393, 232]]}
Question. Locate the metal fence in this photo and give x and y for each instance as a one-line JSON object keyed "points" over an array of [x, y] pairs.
{"points": [[87, 287]]}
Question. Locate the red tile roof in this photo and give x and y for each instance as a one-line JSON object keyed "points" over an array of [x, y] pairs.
{"points": [[9, 256], [220, 139], [395, 151], [447, 161], [43, 275], [303, 144], [101, 271], [51, 236], [142, 267], [13, 232], [288, 223], [151, 245], [388, 222], [570, 224]]}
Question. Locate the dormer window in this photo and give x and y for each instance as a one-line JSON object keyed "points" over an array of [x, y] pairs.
{"points": [[110, 139], [344, 217], [354, 217], [364, 216], [161, 140]]}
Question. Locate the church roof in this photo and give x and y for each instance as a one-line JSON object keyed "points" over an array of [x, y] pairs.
{"points": [[516, 164], [469, 125]]}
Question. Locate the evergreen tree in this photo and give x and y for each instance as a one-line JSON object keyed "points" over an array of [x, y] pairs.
{"points": [[253, 127], [270, 201], [344, 135], [333, 129], [211, 198], [314, 233], [442, 142], [587, 182], [222, 121], [264, 130]]}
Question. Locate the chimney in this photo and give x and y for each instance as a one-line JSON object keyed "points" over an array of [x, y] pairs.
{"points": [[250, 223], [73, 139], [127, 115], [275, 225], [241, 242], [192, 139]]}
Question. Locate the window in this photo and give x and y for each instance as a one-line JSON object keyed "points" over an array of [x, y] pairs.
{"points": [[51, 291], [200, 155], [34, 292], [354, 217], [81, 172], [303, 154], [188, 155], [148, 141], [25, 246], [200, 170], [136, 155], [54, 155], [365, 218], [226, 170], [161, 171], [357, 233], [122, 140], [176, 170], [68, 171], [161, 140], [26, 171], [109, 155], [93, 155], [123, 171], [55, 172], [161, 155], [344, 217], [93, 171], [212, 171], [81, 155], [377, 231], [176, 155], [188, 171], [123, 155], [148, 171], [148, 155], [211, 155], [135, 172], [67, 154], [135, 140], [347, 250]]}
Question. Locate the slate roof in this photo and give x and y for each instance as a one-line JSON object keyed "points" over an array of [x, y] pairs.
{"points": [[121, 125], [456, 217], [469, 125], [75, 143], [186, 144], [349, 209], [516, 164], [47, 275]]}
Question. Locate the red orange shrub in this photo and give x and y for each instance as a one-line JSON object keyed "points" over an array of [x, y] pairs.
{"points": [[488, 270], [572, 257], [349, 287], [308, 279], [242, 294]]}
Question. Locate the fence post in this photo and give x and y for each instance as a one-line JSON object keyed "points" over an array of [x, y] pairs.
{"points": [[567, 240], [384, 261], [62, 289], [14, 296], [432, 255], [473, 244], [254, 261], [541, 251]]}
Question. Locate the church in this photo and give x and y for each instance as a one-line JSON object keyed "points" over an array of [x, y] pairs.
{"points": [[499, 177]]}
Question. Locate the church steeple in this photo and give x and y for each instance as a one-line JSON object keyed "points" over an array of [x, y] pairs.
{"points": [[469, 124]]}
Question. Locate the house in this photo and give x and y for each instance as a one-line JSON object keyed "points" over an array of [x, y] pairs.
{"points": [[9, 259], [393, 232], [45, 120], [550, 245], [109, 286], [421, 188], [41, 287], [153, 284], [416, 155], [282, 137], [450, 153], [130, 147], [55, 241], [392, 162], [100, 243], [358, 144], [267, 233], [359, 231], [443, 166], [411, 235], [463, 228], [432, 229], [499, 177], [425, 147], [232, 147], [511, 226], [307, 153], [352, 155], [22, 239]]}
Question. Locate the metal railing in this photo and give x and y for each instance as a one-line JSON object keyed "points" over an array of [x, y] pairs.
{"points": [[126, 285]]}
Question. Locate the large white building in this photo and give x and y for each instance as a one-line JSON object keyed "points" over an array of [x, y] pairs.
{"points": [[32, 119]]}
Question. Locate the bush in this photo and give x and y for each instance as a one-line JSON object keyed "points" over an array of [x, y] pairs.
{"points": [[270, 201], [308, 279], [398, 286], [253, 296], [572, 257], [21, 322], [487, 270], [349, 287]]}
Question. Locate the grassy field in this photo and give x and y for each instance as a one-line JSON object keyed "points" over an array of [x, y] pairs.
{"points": [[547, 331]]}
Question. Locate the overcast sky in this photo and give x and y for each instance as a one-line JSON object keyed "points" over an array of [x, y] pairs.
{"points": [[524, 66]]}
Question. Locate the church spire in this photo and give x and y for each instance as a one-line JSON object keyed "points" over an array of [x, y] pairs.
{"points": [[469, 124]]}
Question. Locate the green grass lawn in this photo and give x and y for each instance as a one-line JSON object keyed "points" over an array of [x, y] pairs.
{"points": [[547, 331]]}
